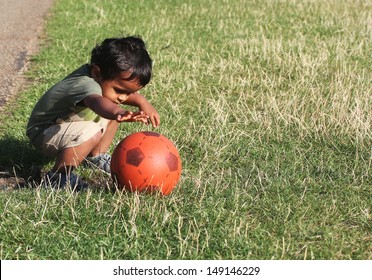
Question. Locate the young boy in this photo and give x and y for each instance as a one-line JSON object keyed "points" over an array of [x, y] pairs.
{"points": [[76, 119]]}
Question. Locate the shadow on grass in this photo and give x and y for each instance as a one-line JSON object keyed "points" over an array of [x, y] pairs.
{"points": [[21, 167], [20, 163]]}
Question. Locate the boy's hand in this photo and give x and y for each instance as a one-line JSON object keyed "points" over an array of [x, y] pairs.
{"points": [[153, 115], [129, 116], [138, 100]]}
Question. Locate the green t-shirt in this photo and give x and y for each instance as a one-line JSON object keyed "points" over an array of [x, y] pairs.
{"points": [[61, 102]]}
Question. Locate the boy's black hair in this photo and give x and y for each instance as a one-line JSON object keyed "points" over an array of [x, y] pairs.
{"points": [[115, 55]]}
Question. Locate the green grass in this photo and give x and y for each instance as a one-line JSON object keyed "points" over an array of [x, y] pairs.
{"points": [[269, 103]]}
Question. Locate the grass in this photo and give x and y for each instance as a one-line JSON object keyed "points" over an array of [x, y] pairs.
{"points": [[269, 105]]}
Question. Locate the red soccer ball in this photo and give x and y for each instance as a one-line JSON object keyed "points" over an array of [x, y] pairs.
{"points": [[146, 161]]}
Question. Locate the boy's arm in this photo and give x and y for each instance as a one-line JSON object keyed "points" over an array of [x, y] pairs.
{"points": [[138, 100], [109, 110]]}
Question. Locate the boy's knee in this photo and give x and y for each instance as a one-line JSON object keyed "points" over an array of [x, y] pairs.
{"points": [[67, 135], [97, 137]]}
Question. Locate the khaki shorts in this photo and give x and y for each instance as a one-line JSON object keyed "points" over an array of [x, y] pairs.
{"points": [[69, 134]]}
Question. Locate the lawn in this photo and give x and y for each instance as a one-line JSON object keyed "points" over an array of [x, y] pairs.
{"points": [[269, 104]]}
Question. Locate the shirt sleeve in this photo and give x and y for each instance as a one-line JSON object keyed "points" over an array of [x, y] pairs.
{"points": [[83, 88]]}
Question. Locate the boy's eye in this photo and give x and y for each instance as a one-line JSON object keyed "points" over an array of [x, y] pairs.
{"points": [[121, 91]]}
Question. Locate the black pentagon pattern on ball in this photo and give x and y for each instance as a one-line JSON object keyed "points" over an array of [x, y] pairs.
{"points": [[172, 161], [135, 157]]}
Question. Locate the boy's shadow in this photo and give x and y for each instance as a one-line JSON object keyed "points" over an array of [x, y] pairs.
{"points": [[20, 164]]}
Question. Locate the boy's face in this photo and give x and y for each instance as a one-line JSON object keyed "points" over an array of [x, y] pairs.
{"points": [[118, 89]]}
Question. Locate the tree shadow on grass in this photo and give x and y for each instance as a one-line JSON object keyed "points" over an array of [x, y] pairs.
{"points": [[20, 164]]}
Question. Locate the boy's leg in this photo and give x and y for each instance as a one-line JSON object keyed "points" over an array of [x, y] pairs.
{"points": [[106, 140], [99, 158], [69, 158], [70, 143]]}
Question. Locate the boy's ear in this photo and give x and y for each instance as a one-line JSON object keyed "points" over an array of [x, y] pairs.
{"points": [[96, 73]]}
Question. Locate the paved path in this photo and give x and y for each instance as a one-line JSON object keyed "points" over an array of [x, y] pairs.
{"points": [[21, 22]]}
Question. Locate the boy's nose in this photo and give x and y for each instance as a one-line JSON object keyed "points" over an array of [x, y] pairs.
{"points": [[122, 98]]}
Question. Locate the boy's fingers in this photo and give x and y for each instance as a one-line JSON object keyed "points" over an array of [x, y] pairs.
{"points": [[124, 117], [136, 117], [139, 117], [155, 121]]}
